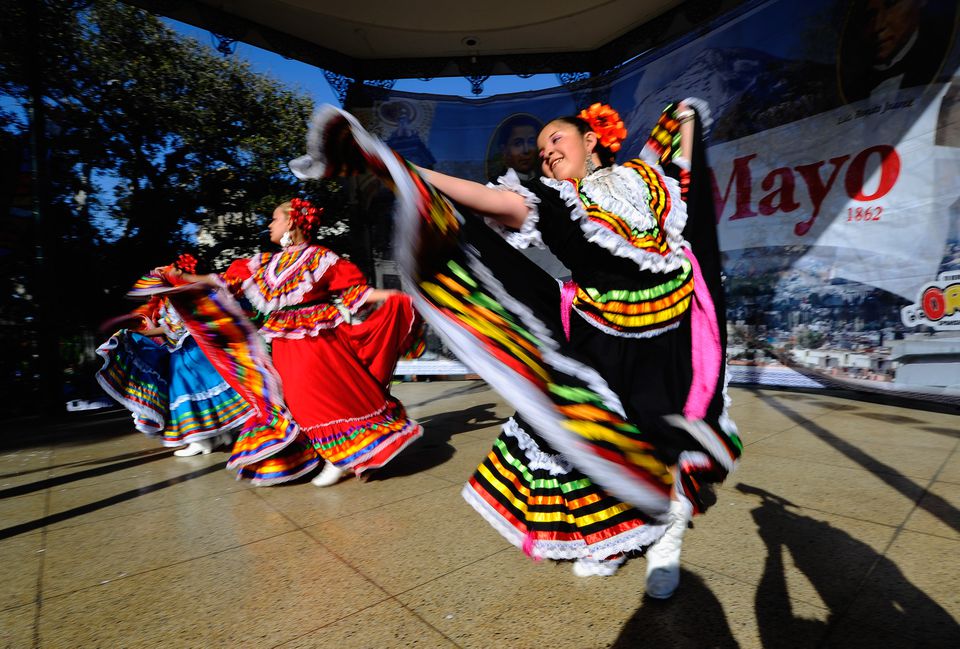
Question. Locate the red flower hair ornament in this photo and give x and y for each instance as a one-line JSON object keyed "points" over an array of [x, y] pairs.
{"points": [[305, 216], [606, 123], [187, 263]]}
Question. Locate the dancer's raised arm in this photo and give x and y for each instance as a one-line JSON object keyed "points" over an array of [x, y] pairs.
{"points": [[174, 274], [506, 207], [685, 114], [151, 331]]}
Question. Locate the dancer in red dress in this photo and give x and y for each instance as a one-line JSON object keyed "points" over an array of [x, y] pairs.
{"points": [[335, 372]]}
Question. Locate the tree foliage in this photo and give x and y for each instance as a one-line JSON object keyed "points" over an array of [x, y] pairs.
{"points": [[151, 139]]}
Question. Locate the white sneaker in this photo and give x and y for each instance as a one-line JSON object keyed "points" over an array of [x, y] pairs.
{"points": [[195, 448], [330, 475], [205, 446], [663, 557], [590, 567]]}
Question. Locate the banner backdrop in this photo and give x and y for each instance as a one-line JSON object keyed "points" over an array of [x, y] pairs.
{"points": [[835, 157]]}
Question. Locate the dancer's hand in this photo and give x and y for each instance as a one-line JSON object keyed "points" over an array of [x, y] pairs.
{"points": [[382, 294], [168, 272]]}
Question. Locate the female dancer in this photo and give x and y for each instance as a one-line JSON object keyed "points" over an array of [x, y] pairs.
{"points": [[170, 387], [630, 391], [335, 374]]}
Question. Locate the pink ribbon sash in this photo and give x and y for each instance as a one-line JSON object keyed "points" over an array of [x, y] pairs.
{"points": [[567, 293], [704, 340], [705, 346]]}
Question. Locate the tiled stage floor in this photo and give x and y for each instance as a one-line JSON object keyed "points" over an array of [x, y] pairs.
{"points": [[841, 528]]}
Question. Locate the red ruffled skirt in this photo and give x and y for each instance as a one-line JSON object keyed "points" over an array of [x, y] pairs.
{"points": [[336, 386]]}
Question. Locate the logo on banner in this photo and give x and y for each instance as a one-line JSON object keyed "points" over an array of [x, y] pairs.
{"points": [[938, 304]]}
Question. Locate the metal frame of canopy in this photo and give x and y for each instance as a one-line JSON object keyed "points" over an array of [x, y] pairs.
{"points": [[342, 70]]}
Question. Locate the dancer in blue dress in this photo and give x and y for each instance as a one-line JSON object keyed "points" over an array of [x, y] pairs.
{"points": [[159, 373]]}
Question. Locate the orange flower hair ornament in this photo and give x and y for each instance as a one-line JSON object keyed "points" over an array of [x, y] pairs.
{"points": [[305, 216], [606, 123]]}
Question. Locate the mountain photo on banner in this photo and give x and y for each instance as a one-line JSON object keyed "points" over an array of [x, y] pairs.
{"points": [[836, 176], [837, 205]]}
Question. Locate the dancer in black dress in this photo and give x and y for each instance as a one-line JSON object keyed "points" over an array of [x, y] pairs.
{"points": [[618, 375]]}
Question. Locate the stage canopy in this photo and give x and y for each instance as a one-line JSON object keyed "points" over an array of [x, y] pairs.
{"points": [[373, 40]]}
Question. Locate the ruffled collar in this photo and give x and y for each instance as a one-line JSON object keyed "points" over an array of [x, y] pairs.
{"points": [[172, 325], [618, 190], [621, 191], [283, 279]]}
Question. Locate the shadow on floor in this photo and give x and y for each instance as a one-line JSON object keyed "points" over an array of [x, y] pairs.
{"points": [[107, 502], [72, 428], [138, 459], [692, 619], [434, 449], [845, 572], [99, 460], [473, 388], [930, 502], [949, 432]]}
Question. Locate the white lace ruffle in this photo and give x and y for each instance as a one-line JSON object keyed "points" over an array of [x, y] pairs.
{"points": [[313, 165], [111, 344], [213, 432], [650, 156], [634, 539], [727, 425], [691, 460], [528, 234], [706, 436], [348, 420], [682, 162], [649, 333], [556, 464], [147, 421], [304, 470], [307, 281], [616, 190], [200, 396], [703, 110], [302, 332], [621, 191], [172, 324]]}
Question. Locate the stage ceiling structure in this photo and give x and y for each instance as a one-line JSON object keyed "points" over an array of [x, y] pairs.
{"points": [[378, 41]]}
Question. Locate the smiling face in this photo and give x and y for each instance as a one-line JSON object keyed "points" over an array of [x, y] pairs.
{"points": [[564, 150], [279, 224]]}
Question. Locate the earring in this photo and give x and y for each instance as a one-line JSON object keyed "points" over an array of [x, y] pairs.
{"points": [[286, 240], [591, 165]]}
